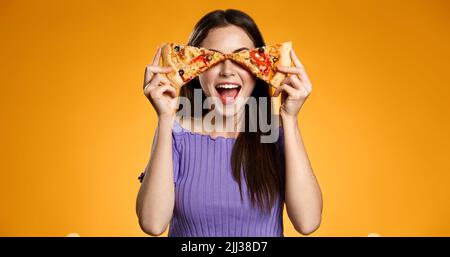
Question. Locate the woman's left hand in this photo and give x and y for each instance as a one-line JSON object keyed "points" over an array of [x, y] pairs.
{"points": [[296, 87]]}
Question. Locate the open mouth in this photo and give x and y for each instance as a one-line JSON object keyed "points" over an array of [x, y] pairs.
{"points": [[228, 92]]}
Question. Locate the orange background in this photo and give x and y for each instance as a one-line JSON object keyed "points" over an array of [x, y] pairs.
{"points": [[77, 130]]}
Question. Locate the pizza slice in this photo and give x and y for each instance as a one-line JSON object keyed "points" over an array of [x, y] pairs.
{"points": [[263, 60], [187, 62]]}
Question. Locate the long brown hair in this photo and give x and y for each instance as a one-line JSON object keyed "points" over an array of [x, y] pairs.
{"points": [[259, 161]]}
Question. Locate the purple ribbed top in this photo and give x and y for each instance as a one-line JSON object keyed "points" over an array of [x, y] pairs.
{"points": [[207, 198]]}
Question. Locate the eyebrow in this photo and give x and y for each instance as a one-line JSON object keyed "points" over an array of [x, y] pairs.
{"points": [[235, 51]]}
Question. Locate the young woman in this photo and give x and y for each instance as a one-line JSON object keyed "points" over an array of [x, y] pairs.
{"points": [[209, 182]]}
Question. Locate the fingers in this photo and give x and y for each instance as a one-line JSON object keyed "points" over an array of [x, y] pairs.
{"points": [[284, 87], [159, 91], [159, 69], [148, 72], [151, 70], [157, 56], [156, 81], [303, 75], [154, 68], [287, 69], [295, 59], [294, 81], [299, 70], [293, 86]]}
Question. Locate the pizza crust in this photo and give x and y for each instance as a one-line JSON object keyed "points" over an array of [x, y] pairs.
{"points": [[173, 76], [273, 80], [285, 60]]}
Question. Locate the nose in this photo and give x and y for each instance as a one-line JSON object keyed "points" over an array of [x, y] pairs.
{"points": [[227, 69]]}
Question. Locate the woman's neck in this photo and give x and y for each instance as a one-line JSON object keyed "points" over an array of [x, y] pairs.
{"points": [[218, 125]]}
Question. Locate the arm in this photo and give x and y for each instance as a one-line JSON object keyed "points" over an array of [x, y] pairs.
{"points": [[303, 195], [156, 197]]}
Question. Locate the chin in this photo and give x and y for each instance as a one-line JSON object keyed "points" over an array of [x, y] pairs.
{"points": [[228, 109]]}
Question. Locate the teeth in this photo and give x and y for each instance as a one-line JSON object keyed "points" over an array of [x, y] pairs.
{"points": [[227, 86]]}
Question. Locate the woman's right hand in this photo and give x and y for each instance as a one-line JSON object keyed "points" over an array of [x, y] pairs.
{"points": [[158, 89]]}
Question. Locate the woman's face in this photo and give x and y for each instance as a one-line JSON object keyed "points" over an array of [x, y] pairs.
{"points": [[228, 83]]}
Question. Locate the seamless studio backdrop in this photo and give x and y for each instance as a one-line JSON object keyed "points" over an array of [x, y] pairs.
{"points": [[76, 128]]}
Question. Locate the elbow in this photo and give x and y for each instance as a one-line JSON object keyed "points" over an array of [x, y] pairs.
{"points": [[307, 228], [151, 228]]}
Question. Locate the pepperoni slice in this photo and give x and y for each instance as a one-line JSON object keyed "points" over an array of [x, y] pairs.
{"points": [[262, 60]]}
